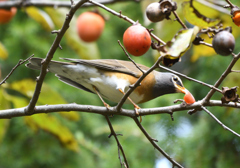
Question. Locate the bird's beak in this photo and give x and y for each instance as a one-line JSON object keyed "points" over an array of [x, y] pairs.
{"points": [[188, 98], [181, 89]]}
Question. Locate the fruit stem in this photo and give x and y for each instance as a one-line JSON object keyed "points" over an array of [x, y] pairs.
{"points": [[179, 20]]}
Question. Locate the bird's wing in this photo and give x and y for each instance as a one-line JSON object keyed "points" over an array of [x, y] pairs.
{"points": [[113, 65], [72, 83]]}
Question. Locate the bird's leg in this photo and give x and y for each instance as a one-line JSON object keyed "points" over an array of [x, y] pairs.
{"points": [[104, 103], [136, 107]]}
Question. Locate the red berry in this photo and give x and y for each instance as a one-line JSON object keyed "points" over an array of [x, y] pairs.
{"points": [[136, 40], [90, 26]]}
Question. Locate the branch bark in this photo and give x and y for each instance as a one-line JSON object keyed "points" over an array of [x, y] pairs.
{"points": [[49, 56]]}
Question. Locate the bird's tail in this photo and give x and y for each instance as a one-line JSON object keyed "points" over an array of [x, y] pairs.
{"points": [[35, 63], [54, 66]]}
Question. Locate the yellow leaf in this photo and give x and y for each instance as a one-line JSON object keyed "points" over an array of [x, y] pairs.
{"points": [[194, 17], [52, 125], [47, 96], [3, 52], [4, 123], [41, 17], [180, 43]]}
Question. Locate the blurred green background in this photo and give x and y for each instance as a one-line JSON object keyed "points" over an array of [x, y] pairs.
{"points": [[80, 139]]}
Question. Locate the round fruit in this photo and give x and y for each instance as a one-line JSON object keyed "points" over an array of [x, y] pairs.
{"points": [[136, 40], [188, 98], [154, 12], [7, 15], [236, 18], [90, 26], [223, 43]]}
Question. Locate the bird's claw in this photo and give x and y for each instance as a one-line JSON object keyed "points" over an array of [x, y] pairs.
{"points": [[136, 108]]}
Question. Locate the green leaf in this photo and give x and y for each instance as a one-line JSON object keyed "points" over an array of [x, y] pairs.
{"points": [[84, 50], [194, 17], [180, 43], [41, 17]]}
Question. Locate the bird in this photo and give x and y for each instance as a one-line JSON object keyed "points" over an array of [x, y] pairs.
{"points": [[111, 78]]}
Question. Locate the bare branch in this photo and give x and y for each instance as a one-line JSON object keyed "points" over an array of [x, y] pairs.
{"points": [[224, 75], [131, 89], [47, 3], [219, 122], [155, 145], [206, 44], [15, 67], [130, 57], [237, 71], [120, 15], [18, 112], [118, 143], [230, 3], [179, 20], [189, 78], [49, 56]]}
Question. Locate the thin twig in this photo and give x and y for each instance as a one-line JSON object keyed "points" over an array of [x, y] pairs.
{"points": [[219, 122], [47, 3], [237, 71], [130, 57], [179, 20], [49, 56], [135, 85], [118, 144], [155, 145], [189, 78], [206, 44], [20, 62], [230, 3], [223, 76], [120, 15]]}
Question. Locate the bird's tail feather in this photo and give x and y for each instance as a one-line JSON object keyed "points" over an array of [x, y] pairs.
{"points": [[35, 63], [54, 66]]}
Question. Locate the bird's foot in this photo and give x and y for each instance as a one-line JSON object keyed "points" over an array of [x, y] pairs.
{"points": [[106, 105], [136, 108]]}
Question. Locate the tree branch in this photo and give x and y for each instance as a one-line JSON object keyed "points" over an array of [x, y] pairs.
{"points": [[20, 62], [19, 112], [154, 144], [189, 78], [118, 144], [224, 75], [47, 3], [219, 122], [49, 56], [123, 17]]}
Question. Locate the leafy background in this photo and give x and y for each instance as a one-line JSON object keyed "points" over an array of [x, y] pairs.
{"points": [[72, 139]]}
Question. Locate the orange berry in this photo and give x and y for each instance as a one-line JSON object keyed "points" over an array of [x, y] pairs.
{"points": [[6, 15], [90, 26], [236, 18], [188, 98], [136, 40]]}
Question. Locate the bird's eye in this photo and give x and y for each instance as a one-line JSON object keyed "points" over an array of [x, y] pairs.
{"points": [[175, 78]]}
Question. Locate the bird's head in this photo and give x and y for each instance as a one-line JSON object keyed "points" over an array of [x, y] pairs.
{"points": [[167, 83]]}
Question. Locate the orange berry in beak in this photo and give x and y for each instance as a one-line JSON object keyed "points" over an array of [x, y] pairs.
{"points": [[188, 98]]}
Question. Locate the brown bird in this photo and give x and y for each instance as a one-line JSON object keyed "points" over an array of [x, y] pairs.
{"points": [[110, 79]]}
